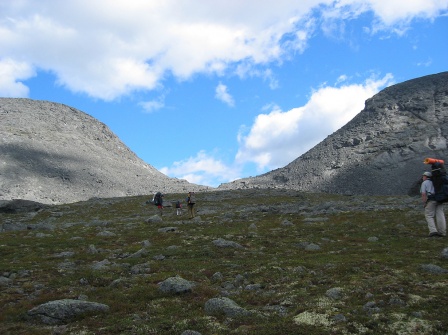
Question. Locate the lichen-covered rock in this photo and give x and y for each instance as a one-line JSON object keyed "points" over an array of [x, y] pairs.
{"points": [[225, 306], [154, 219], [176, 285], [64, 311], [4, 281], [432, 268], [220, 242], [102, 265], [335, 293], [141, 268]]}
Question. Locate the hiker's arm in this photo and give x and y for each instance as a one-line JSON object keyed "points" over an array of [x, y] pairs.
{"points": [[424, 198]]}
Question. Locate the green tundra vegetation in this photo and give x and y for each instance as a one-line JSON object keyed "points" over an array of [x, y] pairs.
{"points": [[298, 263]]}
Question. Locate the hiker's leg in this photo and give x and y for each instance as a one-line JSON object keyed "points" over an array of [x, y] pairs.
{"points": [[430, 211], [440, 217]]}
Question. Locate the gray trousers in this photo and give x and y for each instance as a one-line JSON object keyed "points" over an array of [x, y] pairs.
{"points": [[434, 210]]}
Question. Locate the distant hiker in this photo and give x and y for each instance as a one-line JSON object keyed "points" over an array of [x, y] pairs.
{"points": [[433, 209], [158, 201], [178, 208], [191, 201]]}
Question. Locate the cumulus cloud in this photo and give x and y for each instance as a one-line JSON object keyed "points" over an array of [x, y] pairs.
{"points": [[278, 137], [153, 105], [222, 94], [109, 49], [11, 72], [203, 169], [393, 11]]}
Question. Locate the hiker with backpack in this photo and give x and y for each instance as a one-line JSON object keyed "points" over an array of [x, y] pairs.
{"points": [[178, 208], [158, 201], [433, 209], [191, 201]]}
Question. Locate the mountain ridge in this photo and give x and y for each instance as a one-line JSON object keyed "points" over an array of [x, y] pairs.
{"points": [[54, 153], [379, 152]]}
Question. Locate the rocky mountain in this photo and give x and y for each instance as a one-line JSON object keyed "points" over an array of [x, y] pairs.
{"points": [[379, 152], [52, 153]]}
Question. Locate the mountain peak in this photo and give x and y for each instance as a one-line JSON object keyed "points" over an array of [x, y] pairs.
{"points": [[379, 152], [53, 153]]}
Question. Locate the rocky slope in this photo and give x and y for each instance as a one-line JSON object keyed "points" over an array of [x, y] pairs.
{"points": [[379, 152], [52, 153]]}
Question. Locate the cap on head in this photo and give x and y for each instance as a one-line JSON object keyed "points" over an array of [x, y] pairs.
{"points": [[427, 174]]}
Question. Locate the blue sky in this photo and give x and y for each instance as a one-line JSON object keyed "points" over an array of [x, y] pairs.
{"points": [[212, 91]]}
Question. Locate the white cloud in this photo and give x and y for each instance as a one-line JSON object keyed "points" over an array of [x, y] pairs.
{"points": [[153, 105], [425, 63], [202, 169], [109, 49], [222, 94], [391, 15], [392, 11], [11, 72], [341, 79], [277, 138]]}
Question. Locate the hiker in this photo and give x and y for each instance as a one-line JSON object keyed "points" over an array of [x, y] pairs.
{"points": [[191, 200], [433, 209], [158, 201], [178, 208]]}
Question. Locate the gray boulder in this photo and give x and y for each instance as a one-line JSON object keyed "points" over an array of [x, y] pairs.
{"points": [[432, 268], [138, 254], [64, 311], [176, 285], [154, 219], [4, 281], [141, 268], [225, 306], [226, 244], [167, 229], [102, 265], [20, 206], [335, 293], [308, 246]]}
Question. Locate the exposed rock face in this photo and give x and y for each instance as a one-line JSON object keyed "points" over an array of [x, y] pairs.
{"points": [[52, 153], [379, 152]]}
